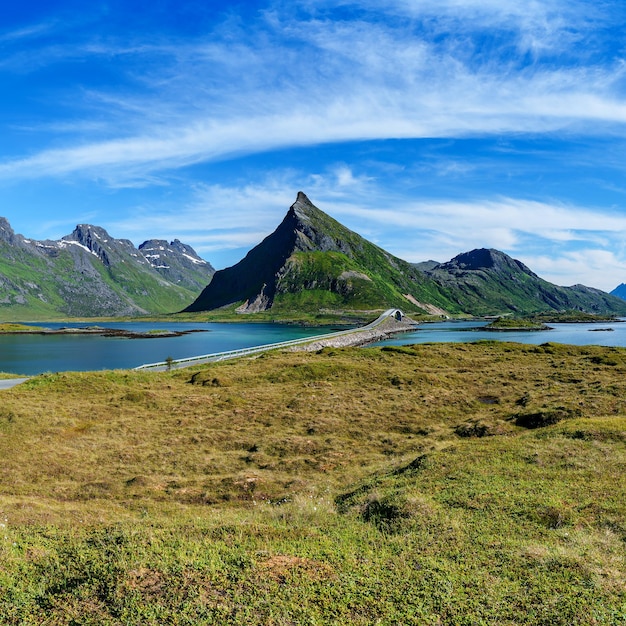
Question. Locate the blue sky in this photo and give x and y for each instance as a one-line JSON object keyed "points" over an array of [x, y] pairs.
{"points": [[431, 127]]}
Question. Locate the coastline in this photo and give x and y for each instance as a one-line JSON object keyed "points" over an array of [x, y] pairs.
{"points": [[105, 332], [357, 338]]}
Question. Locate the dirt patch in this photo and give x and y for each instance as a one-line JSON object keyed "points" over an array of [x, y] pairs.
{"points": [[282, 567], [429, 308], [146, 581]]}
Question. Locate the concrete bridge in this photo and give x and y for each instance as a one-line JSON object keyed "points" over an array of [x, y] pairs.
{"points": [[395, 314]]}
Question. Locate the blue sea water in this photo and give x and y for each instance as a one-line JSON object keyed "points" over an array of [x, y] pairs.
{"points": [[601, 334], [35, 354]]}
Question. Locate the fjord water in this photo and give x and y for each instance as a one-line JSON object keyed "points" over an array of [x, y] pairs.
{"points": [[35, 354], [598, 334]]}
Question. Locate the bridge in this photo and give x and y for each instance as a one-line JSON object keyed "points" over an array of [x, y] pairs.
{"points": [[161, 366]]}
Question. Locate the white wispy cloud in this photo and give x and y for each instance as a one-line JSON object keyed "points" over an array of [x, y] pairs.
{"points": [[344, 81], [223, 222], [31, 31], [588, 266], [296, 74], [531, 26]]}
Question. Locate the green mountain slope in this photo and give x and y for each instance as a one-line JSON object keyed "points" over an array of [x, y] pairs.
{"points": [[87, 273], [312, 262], [488, 282]]}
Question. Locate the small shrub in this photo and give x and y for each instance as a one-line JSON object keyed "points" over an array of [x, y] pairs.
{"points": [[603, 359], [544, 417], [472, 429], [382, 513], [554, 517], [207, 379], [399, 350]]}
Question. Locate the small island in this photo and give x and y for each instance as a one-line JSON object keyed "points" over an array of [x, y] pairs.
{"points": [[573, 317], [508, 324], [24, 329]]}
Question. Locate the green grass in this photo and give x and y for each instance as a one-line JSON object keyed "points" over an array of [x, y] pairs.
{"points": [[360, 486], [572, 317], [318, 280], [514, 323], [12, 327]]}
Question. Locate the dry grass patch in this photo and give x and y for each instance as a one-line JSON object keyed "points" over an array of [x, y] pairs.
{"points": [[259, 428], [350, 487]]}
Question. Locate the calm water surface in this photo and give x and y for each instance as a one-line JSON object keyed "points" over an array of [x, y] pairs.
{"points": [[35, 354], [465, 332]]}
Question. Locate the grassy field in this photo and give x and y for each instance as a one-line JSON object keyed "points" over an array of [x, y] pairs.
{"points": [[433, 484]]}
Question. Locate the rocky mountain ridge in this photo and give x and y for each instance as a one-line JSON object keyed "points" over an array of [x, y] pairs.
{"points": [[487, 281], [90, 273], [312, 262]]}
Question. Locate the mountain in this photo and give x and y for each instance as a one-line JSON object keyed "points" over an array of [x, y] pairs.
{"points": [[89, 273], [313, 262], [178, 263], [487, 281], [620, 291]]}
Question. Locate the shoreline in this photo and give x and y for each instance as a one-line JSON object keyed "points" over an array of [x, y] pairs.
{"points": [[105, 332], [358, 337]]}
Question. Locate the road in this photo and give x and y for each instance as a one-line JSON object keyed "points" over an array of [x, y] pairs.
{"points": [[221, 356], [11, 382]]}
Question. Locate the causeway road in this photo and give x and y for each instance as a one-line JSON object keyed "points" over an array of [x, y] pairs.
{"points": [[388, 323]]}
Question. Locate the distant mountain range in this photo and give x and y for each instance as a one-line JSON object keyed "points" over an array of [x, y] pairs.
{"points": [[310, 262], [313, 262], [89, 273]]}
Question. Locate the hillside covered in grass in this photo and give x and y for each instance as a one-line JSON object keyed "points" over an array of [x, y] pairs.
{"points": [[432, 484], [89, 273], [313, 263]]}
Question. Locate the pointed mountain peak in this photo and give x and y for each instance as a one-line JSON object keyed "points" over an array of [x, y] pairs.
{"points": [[302, 198], [307, 240], [303, 209], [302, 203], [6, 232], [92, 237], [97, 240]]}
